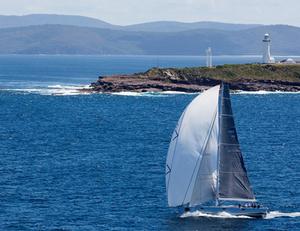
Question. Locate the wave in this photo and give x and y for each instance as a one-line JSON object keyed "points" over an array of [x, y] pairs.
{"points": [[152, 94], [65, 90], [74, 87], [128, 93], [178, 93], [139, 94], [224, 215], [166, 93], [57, 90]]}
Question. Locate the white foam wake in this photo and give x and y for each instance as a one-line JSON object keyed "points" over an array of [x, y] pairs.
{"points": [[139, 94], [72, 87], [76, 90], [62, 90], [224, 215], [218, 215], [178, 93], [128, 93], [151, 94], [165, 93], [275, 214]]}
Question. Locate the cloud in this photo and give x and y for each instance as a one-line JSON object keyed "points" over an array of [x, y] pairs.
{"points": [[136, 11]]}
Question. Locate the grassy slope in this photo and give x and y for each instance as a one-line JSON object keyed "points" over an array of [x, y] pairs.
{"points": [[232, 73]]}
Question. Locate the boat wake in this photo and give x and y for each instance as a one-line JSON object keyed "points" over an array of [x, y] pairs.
{"points": [[219, 215], [224, 215], [276, 214]]}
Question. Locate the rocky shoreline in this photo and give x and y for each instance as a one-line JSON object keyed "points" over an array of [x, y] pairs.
{"points": [[240, 77]]}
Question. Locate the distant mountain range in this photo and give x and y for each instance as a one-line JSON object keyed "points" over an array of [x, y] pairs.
{"points": [[44, 19], [72, 20], [60, 34]]}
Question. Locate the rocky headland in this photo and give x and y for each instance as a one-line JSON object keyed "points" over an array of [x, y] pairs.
{"points": [[245, 77]]}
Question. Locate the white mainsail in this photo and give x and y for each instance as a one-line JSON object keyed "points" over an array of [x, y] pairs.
{"points": [[192, 157]]}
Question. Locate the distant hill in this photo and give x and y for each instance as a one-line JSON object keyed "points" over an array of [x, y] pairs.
{"points": [[170, 26], [62, 39], [43, 19], [70, 20]]}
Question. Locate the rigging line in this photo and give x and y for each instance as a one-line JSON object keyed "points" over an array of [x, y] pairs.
{"points": [[179, 128], [202, 150]]}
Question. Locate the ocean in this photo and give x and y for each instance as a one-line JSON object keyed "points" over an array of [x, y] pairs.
{"points": [[72, 161]]}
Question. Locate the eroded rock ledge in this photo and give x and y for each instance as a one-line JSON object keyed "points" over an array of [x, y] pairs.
{"points": [[246, 77]]}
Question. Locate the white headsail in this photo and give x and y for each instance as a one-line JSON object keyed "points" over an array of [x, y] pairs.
{"points": [[192, 157]]}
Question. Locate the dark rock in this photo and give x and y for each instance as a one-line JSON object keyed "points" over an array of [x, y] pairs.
{"points": [[260, 77]]}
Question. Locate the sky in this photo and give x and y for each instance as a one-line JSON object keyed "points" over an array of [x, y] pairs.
{"points": [[125, 12]]}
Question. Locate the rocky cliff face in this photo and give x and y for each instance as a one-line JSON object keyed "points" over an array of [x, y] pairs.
{"points": [[240, 77]]}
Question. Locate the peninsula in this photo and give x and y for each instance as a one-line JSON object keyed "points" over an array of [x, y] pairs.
{"points": [[246, 77]]}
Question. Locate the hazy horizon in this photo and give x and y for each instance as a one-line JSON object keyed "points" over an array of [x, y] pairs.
{"points": [[134, 12]]}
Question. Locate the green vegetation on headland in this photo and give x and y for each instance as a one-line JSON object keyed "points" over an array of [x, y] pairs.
{"points": [[248, 77], [233, 72]]}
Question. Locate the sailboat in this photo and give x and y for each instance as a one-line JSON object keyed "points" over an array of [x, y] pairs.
{"points": [[205, 170]]}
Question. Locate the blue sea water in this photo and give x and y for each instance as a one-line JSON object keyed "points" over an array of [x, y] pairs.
{"points": [[97, 162]]}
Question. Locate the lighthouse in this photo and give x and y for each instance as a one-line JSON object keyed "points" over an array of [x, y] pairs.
{"points": [[267, 50], [209, 57]]}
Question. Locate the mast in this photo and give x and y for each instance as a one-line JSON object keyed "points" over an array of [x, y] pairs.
{"points": [[218, 155]]}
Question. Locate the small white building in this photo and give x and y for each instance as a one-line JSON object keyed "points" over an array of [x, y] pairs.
{"points": [[288, 61], [267, 50]]}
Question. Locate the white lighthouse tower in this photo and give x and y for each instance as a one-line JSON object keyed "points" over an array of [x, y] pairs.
{"points": [[267, 50], [209, 57]]}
